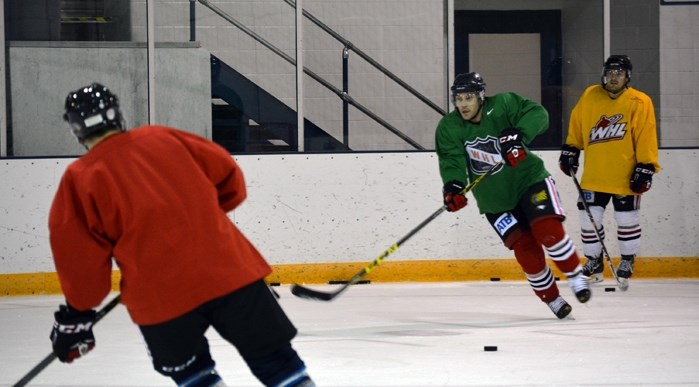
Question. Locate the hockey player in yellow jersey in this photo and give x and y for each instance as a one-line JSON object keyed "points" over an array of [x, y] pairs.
{"points": [[614, 124]]}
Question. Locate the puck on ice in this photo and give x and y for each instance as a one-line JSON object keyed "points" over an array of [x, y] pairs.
{"points": [[609, 289], [490, 348]]}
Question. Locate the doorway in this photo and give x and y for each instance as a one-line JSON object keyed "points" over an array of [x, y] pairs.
{"points": [[518, 51]]}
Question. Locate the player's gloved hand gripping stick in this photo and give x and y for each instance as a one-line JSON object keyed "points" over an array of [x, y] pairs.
{"points": [[623, 283], [303, 292], [52, 356]]}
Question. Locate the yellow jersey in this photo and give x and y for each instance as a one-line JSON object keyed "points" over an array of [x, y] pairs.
{"points": [[615, 135]]}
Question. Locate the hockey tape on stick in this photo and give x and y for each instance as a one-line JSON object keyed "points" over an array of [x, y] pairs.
{"points": [[52, 356], [623, 285], [304, 292]]}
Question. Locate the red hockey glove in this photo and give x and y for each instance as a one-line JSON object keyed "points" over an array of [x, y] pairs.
{"points": [[511, 148], [642, 177], [71, 336], [453, 198], [569, 159]]}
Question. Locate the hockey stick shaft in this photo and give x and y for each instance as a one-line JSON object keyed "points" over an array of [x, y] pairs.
{"points": [[304, 292], [52, 356], [622, 287]]}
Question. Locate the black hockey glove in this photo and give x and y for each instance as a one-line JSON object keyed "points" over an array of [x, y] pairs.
{"points": [[642, 177], [511, 148], [453, 198], [71, 336], [570, 159]]}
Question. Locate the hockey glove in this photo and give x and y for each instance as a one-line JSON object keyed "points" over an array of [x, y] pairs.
{"points": [[642, 177], [511, 148], [453, 198], [570, 159], [71, 336]]}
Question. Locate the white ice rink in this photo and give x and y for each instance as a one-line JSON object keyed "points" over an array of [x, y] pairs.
{"points": [[426, 334]]}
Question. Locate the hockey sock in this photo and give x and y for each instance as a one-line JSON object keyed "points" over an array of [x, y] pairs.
{"points": [[531, 258], [550, 233], [592, 246], [628, 231], [529, 253], [282, 368], [200, 373], [544, 285]]}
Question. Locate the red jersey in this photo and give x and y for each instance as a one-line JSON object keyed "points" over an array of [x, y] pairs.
{"points": [[154, 199]]}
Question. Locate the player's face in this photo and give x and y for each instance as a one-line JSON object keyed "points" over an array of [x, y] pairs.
{"points": [[616, 80], [467, 104]]}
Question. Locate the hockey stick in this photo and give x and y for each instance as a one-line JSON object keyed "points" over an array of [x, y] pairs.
{"points": [[623, 285], [311, 294], [52, 356]]}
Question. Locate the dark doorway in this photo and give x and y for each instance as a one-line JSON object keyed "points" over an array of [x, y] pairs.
{"points": [[547, 24]]}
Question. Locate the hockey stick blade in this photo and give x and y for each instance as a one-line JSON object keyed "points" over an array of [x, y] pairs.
{"points": [[52, 356], [623, 285], [310, 294]]}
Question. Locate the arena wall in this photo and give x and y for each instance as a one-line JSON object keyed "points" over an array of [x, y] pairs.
{"points": [[323, 217]]}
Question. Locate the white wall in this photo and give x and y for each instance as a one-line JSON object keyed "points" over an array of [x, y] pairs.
{"points": [[351, 207]]}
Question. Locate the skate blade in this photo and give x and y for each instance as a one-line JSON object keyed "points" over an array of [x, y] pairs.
{"points": [[596, 278], [623, 284]]}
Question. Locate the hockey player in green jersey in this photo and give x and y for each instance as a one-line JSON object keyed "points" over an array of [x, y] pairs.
{"points": [[519, 199]]}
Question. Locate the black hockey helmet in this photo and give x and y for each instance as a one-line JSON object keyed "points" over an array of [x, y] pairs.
{"points": [[92, 109], [469, 83], [617, 62]]}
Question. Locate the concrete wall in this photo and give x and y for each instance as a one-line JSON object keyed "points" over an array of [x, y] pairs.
{"points": [[42, 74], [351, 207], [679, 76]]}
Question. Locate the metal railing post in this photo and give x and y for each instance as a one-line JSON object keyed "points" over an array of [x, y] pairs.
{"points": [[345, 91], [192, 21]]}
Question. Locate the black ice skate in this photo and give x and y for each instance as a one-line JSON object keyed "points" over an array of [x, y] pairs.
{"points": [[560, 307], [594, 268], [625, 269], [579, 284]]}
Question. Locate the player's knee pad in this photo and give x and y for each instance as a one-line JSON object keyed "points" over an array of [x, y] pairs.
{"points": [[597, 213], [627, 218], [197, 371], [529, 254], [281, 368], [550, 233]]}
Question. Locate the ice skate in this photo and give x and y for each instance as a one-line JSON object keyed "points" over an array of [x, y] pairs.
{"points": [[594, 268], [580, 286], [560, 307], [625, 270]]}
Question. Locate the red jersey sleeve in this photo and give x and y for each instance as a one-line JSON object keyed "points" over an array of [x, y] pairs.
{"points": [[219, 166]]}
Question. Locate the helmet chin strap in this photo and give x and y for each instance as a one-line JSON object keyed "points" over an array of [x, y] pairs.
{"points": [[480, 107]]}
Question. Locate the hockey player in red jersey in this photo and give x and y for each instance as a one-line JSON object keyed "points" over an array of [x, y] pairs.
{"points": [[155, 200], [614, 124]]}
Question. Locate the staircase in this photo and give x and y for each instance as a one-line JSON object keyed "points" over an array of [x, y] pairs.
{"points": [[247, 119]]}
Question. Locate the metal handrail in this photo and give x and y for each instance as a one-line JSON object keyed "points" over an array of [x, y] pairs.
{"points": [[369, 59], [344, 96]]}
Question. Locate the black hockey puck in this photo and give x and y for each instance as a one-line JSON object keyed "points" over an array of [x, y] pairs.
{"points": [[490, 348], [495, 279], [610, 289]]}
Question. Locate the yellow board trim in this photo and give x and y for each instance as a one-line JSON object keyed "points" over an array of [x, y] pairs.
{"points": [[390, 271]]}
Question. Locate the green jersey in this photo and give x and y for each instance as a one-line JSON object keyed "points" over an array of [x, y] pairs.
{"points": [[467, 150]]}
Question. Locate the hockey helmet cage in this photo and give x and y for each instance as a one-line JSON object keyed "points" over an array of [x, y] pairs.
{"points": [[469, 83], [91, 110], [617, 62]]}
